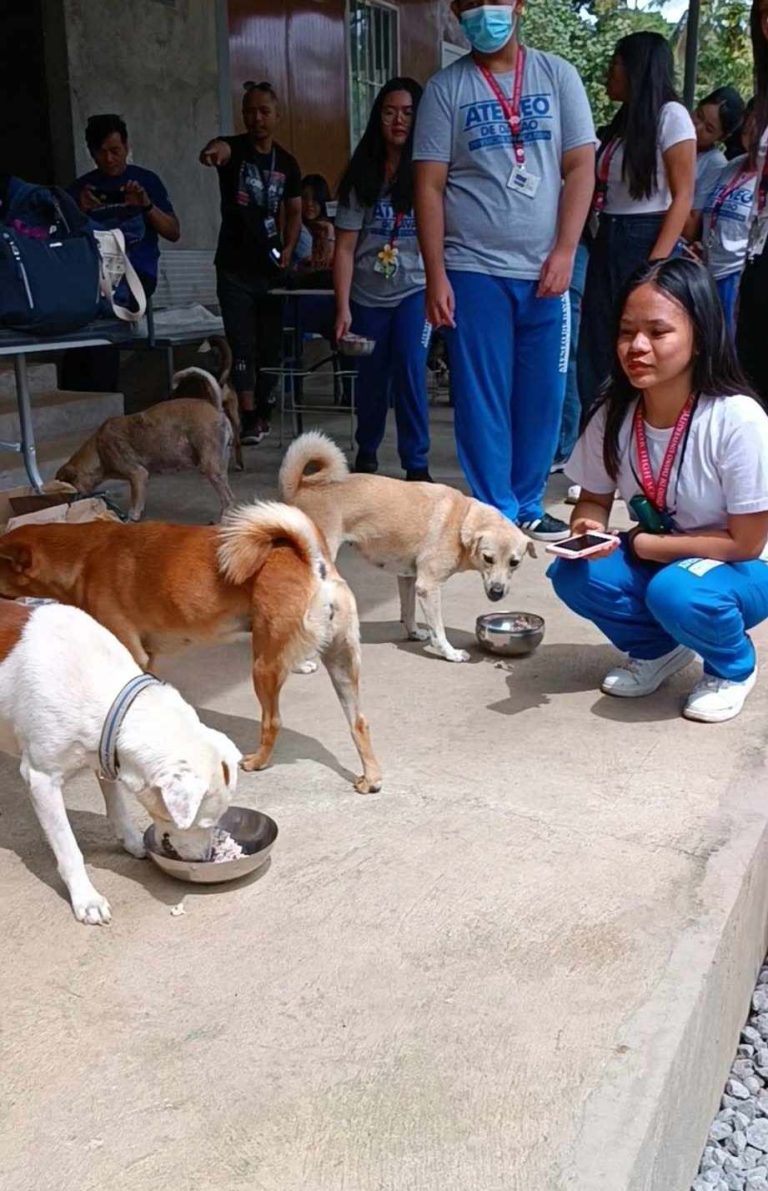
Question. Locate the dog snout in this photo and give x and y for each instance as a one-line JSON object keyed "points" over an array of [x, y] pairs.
{"points": [[496, 592]]}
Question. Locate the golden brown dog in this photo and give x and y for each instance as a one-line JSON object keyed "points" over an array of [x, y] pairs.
{"points": [[198, 429], [161, 587]]}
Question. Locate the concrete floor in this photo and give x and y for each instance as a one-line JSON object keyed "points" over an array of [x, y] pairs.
{"points": [[521, 967]]}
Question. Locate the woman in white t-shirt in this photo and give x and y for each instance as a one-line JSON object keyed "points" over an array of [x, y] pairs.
{"points": [[644, 191], [687, 447]]}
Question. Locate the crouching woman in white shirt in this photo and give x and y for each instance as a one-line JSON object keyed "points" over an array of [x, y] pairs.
{"points": [[685, 443]]}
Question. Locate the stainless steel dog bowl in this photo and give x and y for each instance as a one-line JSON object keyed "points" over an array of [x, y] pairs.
{"points": [[356, 345], [253, 831], [511, 634]]}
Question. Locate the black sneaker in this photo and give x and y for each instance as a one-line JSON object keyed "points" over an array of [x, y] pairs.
{"points": [[419, 477], [546, 529], [251, 432], [366, 465]]}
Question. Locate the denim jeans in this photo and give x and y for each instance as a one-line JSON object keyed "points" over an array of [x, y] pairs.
{"points": [[570, 425], [623, 243]]}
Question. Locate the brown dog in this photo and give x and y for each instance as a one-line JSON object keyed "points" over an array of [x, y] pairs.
{"points": [[199, 429], [162, 587]]}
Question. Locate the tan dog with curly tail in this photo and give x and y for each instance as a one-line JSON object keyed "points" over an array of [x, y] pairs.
{"points": [[423, 533]]}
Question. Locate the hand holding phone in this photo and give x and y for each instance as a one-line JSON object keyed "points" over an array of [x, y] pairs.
{"points": [[590, 540]]}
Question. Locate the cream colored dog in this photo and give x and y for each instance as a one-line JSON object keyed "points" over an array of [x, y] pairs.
{"points": [[423, 533], [60, 676]]}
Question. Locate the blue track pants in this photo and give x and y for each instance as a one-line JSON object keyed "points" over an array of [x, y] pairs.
{"points": [[648, 611], [509, 359], [396, 374]]}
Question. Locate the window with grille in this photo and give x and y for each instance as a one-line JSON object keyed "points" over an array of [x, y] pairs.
{"points": [[373, 56]]}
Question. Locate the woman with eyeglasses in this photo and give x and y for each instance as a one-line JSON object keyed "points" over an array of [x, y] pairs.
{"points": [[380, 282], [680, 435], [260, 184]]}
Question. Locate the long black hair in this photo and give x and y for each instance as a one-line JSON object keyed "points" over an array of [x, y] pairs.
{"points": [[320, 191], [716, 370], [650, 69], [365, 173], [760, 54], [731, 110]]}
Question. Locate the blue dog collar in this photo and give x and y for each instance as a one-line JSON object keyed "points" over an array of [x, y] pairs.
{"points": [[113, 723]]}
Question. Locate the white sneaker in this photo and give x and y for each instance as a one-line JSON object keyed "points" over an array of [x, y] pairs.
{"points": [[714, 700], [573, 495], [639, 677]]}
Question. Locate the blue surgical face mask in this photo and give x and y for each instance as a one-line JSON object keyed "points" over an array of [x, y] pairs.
{"points": [[490, 27]]}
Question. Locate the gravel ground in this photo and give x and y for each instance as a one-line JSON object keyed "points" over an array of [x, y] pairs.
{"points": [[736, 1154]]}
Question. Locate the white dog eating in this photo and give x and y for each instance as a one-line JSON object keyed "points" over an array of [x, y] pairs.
{"points": [[71, 696]]}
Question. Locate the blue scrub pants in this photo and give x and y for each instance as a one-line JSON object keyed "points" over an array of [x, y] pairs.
{"points": [[572, 407], [728, 289], [647, 610], [396, 374], [509, 359]]}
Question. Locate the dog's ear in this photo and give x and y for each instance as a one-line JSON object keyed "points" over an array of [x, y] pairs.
{"points": [[17, 554], [183, 792], [470, 527], [531, 549]]}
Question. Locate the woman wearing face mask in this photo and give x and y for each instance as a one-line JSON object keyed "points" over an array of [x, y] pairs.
{"points": [[644, 193], [753, 294], [685, 443], [379, 282]]}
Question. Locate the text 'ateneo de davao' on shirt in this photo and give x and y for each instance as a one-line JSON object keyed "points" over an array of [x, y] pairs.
{"points": [[490, 228], [729, 205], [376, 226]]}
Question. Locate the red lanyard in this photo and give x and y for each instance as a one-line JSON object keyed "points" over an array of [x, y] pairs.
{"points": [[725, 194], [762, 186], [656, 490], [396, 229], [511, 110], [603, 170]]}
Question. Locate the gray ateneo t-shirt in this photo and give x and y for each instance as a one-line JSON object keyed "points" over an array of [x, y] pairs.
{"points": [[376, 225], [488, 227], [726, 248], [709, 165]]}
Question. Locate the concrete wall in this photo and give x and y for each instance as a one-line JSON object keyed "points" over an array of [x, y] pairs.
{"points": [[156, 63]]}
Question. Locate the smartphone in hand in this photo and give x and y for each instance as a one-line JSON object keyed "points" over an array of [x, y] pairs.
{"points": [[583, 545]]}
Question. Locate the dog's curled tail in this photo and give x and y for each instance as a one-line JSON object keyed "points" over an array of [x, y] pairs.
{"points": [[313, 449], [249, 533], [198, 383]]}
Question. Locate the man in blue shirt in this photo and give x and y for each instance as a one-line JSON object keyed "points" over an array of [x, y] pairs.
{"points": [[114, 195], [504, 153]]}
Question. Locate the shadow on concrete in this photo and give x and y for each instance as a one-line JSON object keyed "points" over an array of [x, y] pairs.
{"points": [[552, 670], [390, 632], [291, 746]]}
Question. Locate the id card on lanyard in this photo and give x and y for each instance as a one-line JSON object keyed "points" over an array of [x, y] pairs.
{"points": [[521, 179], [758, 233], [655, 490]]}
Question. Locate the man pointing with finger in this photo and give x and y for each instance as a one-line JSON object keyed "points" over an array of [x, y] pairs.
{"points": [[505, 158]]}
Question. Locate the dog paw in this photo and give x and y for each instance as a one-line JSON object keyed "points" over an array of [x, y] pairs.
{"points": [[308, 667], [417, 635], [92, 909], [364, 786], [456, 655], [253, 762], [134, 845]]}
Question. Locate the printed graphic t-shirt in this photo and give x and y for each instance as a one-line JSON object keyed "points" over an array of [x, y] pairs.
{"points": [[376, 225], [488, 227], [141, 239], [726, 249], [253, 187], [709, 165]]}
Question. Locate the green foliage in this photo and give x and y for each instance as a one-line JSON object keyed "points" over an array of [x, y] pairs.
{"points": [[586, 35]]}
